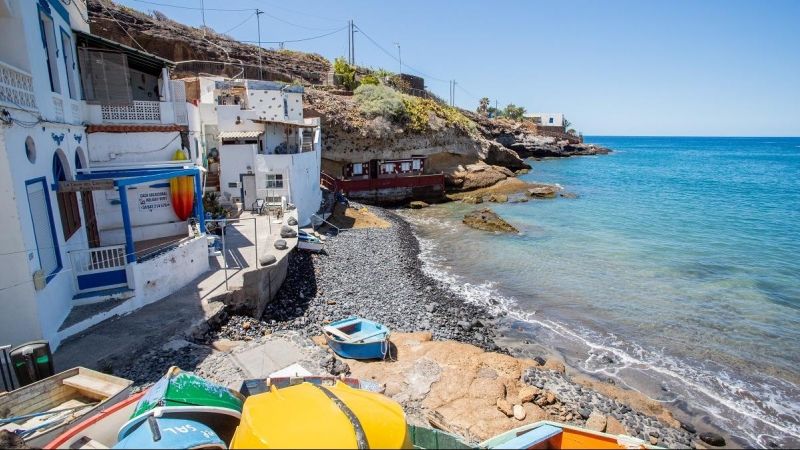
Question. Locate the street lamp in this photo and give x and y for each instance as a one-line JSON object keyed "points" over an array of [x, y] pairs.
{"points": [[400, 57]]}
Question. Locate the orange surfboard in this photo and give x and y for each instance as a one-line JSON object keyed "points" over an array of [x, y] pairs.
{"points": [[182, 191]]}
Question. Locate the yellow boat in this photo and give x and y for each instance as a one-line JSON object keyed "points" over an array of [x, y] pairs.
{"points": [[308, 415]]}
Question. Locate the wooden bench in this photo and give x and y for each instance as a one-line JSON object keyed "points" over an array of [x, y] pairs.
{"points": [[90, 384]]}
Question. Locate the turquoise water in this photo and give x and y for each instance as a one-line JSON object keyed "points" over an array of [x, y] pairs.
{"points": [[676, 272]]}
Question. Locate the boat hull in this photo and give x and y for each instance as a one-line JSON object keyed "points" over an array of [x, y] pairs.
{"points": [[358, 338], [545, 434]]}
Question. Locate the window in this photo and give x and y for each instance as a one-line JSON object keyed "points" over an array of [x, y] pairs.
{"points": [[104, 77], [551, 120], [388, 168], [357, 169], [405, 167], [416, 164], [50, 50], [69, 62], [274, 181], [67, 202], [42, 217]]}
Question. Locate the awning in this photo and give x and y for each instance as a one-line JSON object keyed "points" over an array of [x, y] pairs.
{"points": [[286, 124], [137, 59], [240, 134]]}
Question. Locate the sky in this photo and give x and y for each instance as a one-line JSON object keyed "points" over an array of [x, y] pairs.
{"points": [[630, 68]]}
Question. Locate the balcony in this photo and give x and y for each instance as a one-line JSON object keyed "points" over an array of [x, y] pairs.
{"points": [[16, 87], [139, 113]]}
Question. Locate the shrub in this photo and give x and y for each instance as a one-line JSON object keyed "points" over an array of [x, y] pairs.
{"points": [[418, 111], [378, 101], [369, 79], [347, 72]]}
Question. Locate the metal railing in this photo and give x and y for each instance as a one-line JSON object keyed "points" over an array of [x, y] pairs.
{"points": [[5, 368], [95, 261], [329, 224]]}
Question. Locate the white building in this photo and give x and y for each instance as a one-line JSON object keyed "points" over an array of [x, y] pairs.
{"points": [[266, 149], [88, 131], [546, 119]]}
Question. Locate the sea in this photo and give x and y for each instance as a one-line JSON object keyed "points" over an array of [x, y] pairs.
{"points": [[676, 273]]}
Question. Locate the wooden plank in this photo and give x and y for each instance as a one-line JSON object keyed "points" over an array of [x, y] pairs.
{"points": [[336, 332], [86, 185], [91, 384]]}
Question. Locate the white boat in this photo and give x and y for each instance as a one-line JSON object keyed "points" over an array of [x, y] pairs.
{"points": [[308, 242]]}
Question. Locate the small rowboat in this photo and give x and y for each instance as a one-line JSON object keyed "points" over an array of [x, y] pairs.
{"points": [[545, 434], [42, 410], [325, 415], [357, 338], [308, 242]]}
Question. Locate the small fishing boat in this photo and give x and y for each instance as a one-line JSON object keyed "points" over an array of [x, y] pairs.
{"points": [[181, 410], [357, 338], [185, 395], [256, 386], [308, 242], [545, 434], [42, 410], [331, 414]]}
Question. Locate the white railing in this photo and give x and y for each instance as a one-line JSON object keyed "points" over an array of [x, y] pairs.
{"points": [[76, 114], [58, 108], [97, 260], [139, 111], [16, 87]]}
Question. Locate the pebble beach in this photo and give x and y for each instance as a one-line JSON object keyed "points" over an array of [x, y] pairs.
{"points": [[375, 273]]}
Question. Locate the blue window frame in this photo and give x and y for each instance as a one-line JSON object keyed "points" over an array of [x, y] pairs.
{"points": [[44, 230]]}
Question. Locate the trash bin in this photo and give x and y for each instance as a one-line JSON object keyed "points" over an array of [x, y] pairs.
{"points": [[32, 361]]}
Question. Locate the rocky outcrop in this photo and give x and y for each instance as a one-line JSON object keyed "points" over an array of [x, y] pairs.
{"points": [[487, 220], [476, 176]]}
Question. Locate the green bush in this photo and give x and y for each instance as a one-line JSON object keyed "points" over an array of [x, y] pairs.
{"points": [[369, 79], [418, 110], [378, 101], [346, 71]]}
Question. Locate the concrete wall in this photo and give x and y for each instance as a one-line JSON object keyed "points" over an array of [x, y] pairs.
{"points": [[234, 160], [123, 148], [166, 273]]}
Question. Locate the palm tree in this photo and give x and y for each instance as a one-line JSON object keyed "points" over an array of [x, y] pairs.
{"points": [[484, 105], [572, 131], [515, 112], [566, 123]]}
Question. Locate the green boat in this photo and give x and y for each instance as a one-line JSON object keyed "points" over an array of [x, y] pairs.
{"points": [[185, 395]]}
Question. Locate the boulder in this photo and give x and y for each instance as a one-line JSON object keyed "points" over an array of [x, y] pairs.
{"points": [[473, 200], [522, 171], [614, 426], [542, 192], [280, 244], [288, 232], [596, 422], [528, 393], [519, 412], [291, 221], [418, 205], [712, 439], [498, 198], [267, 259], [487, 220], [505, 407]]}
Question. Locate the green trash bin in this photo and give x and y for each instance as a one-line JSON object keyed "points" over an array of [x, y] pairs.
{"points": [[32, 361]]}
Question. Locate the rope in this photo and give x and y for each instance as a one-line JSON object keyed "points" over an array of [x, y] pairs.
{"points": [[361, 437]]}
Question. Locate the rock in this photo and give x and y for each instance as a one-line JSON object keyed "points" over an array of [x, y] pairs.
{"points": [[550, 398], [280, 244], [292, 221], [430, 308], [613, 426], [485, 372], [519, 412], [569, 195], [288, 232], [473, 200], [464, 325], [522, 171], [653, 440], [543, 192], [505, 407], [585, 413], [498, 198], [596, 422], [539, 360], [246, 325], [487, 220], [712, 439], [418, 205], [267, 259], [688, 427], [528, 394]]}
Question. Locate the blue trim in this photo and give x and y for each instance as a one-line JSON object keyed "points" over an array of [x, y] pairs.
{"points": [[60, 9], [198, 203], [130, 252], [71, 90], [155, 177], [128, 173], [158, 185], [43, 180], [96, 280]]}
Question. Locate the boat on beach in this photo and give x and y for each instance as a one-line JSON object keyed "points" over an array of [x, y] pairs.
{"points": [[357, 338], [308, 242], [321, 412], [46, 408], [554, 435]]}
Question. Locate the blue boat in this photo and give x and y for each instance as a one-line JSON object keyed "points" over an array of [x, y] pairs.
{"points": [[357, 338], [171, 433]]}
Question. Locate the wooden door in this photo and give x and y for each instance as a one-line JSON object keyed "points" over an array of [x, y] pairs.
{"points": [[249, 193], [92, 233]]}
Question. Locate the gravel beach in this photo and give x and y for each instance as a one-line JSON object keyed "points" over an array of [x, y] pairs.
{"points": [[376, 273]]}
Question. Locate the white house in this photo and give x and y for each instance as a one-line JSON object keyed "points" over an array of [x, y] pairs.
{"points": [[88, 133], [546, 119], [266, 149]]}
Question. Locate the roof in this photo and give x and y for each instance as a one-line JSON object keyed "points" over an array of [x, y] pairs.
{"points": [[240, 134], [137, 59], [287, 124], [132, 128]]}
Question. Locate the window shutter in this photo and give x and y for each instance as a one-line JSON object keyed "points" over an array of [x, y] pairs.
{"points": [[105, 77], [46, 246]]}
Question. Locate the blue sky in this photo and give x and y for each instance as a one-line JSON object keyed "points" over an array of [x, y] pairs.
{"points": [[684, 68]]}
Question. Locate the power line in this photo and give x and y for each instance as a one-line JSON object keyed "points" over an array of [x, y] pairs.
{"points": [[395, 58], [297, 40], [194, 8], [299, 12], [120, 25], [237, 26], [294, 24]]}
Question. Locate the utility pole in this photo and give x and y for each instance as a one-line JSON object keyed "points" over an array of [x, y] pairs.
{"points": [[258, 19], [400, 56], [203, 13], [350, 42]]}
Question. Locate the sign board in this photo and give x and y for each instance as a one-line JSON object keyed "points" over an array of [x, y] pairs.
{"points": [[152, 200], [86, 185]]}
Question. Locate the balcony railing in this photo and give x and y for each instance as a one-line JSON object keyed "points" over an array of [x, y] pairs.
{"points": [[139, 111], [58, 108], [16, 87]]}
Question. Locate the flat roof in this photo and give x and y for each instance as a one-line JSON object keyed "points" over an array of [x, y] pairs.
{"points": [[288, 124]]}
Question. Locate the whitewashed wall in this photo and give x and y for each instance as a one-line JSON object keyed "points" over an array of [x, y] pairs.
{"points": [[268, 105], [558, 118], [119, 148], [170, 271], [234, 161]]}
